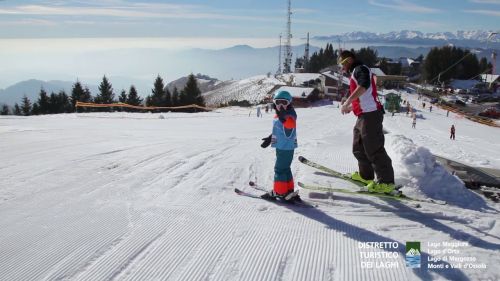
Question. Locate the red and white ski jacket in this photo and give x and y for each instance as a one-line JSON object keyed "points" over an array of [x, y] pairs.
{"points": [[368, 101]]}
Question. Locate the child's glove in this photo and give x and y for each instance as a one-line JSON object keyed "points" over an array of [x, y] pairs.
{"points": [[266, 142]]}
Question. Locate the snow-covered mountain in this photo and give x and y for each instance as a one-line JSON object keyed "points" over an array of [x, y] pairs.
{"points": [[253, 89], [466, 38]]}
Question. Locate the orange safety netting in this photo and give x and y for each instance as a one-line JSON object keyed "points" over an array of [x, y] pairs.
{"points": [[121, 104]]}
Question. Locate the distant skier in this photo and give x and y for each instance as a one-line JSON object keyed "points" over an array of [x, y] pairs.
{"points": [[452, 132], [368, 139], [414, 123], [447, 113], [259, 113], [430, 108], [284, 139]]}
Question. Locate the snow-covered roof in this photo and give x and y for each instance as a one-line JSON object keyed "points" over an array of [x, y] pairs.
{"points": [[299, 78], [377, 71], [488, 78], [297, 92], [405, 62], [335, 76]]}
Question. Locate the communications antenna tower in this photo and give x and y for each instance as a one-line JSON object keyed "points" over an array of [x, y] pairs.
{"points": [[288, 45], [279, 57], [306, 54]]}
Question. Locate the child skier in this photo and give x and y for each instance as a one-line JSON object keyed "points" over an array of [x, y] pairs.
{"points": [[284, 139]]}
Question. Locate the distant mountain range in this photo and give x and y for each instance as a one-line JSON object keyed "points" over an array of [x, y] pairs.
{"points": [[31, 88], [476, 38], [234, 63]]}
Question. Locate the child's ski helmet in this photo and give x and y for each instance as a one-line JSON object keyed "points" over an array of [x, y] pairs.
{"points": [[283, 95]]}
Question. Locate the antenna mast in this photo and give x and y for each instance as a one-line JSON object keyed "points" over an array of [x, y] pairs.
{"points": [[306, 55], [340, 72], [494, 62], [279, 57], [493, 54], [288, 45]]}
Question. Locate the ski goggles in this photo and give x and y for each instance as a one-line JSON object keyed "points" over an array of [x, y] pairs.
{"points": [[342, 62], [281, 103]]}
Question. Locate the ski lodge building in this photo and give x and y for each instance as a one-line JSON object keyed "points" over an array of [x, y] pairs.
{"points": [[302, 96]]}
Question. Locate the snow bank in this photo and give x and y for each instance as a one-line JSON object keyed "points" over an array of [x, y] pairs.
{"points": [[421, 176]]}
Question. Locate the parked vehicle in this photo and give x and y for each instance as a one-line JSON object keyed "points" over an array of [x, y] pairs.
{"points": [[490, 112]]}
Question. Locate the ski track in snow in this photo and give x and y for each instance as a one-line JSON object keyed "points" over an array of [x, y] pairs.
{"points": [[100, 198]]}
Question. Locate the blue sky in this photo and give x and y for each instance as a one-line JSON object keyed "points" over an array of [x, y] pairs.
{"points": [[84, 39], [238, 18]]}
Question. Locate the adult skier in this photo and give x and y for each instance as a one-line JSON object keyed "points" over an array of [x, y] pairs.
{"points": [[284, 139], [452, 132], [368, 136]]}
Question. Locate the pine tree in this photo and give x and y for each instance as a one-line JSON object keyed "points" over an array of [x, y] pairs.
{"points": [[63, 102], [367, 56], [17, 109], [133, 98], [35, 110], [43, 102], [5, 110], [168, 98], [53, 103], [106, 95], [26, 106], [484, 66], [87, 97], [77, 94], [192, 93], [158, 93], [175, 97], [123, 96]]}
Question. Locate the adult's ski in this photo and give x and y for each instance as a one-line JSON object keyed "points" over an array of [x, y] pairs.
{"points": [[401, 197], [329, 171]]}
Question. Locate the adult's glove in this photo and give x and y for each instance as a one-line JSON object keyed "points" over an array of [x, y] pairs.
{"points": [[266, 142]]}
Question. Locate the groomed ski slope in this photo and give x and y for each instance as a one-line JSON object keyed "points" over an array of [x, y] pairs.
{"points": [[123, 196]]}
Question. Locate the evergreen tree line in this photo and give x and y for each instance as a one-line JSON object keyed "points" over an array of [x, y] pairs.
{"points": [[329, 57], [439, 60], [321, 59], [161, 96], [62, 103]]}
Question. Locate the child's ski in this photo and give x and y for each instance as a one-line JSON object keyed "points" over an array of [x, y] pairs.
{"points": [[302, 204], [252, 184]]}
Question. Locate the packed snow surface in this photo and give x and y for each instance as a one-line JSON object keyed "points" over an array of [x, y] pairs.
{"points": [[130, 196]]}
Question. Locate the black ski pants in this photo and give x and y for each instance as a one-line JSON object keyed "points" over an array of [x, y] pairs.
{"points": [[368, 148]]}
